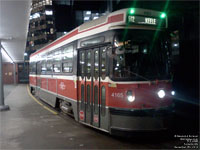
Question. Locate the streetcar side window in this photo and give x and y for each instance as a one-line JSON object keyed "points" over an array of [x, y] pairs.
{"points": [[67, 53], [67, 67], [103, 63], [32, 68], [43, 67], [96, 99], [57, 55], [49, 63], [103, 101], [57, 58], [49, 67], [38, 68], [96, 64], [56, 67], [67, 58], [88, 65], [82, 62]]}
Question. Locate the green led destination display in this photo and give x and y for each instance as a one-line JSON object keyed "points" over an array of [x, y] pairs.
{"points": [[141, 20]]}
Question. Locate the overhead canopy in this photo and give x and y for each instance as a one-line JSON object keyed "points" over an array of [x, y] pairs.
{"points": [[14, 20]]}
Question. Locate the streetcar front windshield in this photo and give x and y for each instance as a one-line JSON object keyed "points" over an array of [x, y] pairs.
{"points": [[140, 55]]}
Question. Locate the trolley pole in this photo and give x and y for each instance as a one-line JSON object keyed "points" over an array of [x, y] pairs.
{"points": [[3, 107]]}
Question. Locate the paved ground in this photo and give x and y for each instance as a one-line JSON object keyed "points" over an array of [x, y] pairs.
{"points": [[29, 126], [8, 88]]}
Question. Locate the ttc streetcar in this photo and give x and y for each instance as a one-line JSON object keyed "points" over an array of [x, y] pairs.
{"points": [[112, 73]]}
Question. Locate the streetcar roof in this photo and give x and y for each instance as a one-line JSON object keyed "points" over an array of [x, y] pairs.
{"points": [[93, 27]]}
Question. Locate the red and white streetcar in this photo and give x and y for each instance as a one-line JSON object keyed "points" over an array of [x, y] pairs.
{"points": [[112, 73]]}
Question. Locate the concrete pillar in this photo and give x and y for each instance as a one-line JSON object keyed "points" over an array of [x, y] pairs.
{"points": [[3, 107]]}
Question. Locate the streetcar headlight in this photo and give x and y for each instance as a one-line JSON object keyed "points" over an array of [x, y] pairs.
{"points": [[173, 93], [130, 96], [161, 94]]}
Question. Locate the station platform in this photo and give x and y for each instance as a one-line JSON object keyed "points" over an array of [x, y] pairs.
{"points": [[30, 124]]}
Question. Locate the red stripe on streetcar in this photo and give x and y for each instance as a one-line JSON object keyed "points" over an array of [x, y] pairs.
{"points": [[116, 18]]}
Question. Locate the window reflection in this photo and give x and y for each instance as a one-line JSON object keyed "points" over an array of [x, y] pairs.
{"points": [[88, 64], [67, 67], [140, 57], [67, 53], [96, 65], [103, 63], [56, 67]]}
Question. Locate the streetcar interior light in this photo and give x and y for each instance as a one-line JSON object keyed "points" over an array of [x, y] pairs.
{"points": [[163, 15], [132, 11], [173, 93], [161, 94]]}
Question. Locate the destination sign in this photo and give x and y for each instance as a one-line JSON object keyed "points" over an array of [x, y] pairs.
{"points": [[146, 21]]}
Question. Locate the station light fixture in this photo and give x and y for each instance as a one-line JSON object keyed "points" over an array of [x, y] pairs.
{"points": [[163, 15], [131, 11], [6, 56]]}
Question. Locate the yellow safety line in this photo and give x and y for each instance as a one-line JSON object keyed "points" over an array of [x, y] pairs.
{"points": [[45, 107]]}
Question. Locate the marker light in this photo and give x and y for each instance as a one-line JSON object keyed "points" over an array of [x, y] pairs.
{"points": [[161, 94], [132, 11], [173, 93], [163, 15], [130, 96]]}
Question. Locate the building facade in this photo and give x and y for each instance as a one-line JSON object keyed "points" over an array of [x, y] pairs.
{"points": [[41, 25], [51, 19]]}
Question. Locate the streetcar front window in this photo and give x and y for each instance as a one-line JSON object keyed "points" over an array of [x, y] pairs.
{"points": [[140, 55]]}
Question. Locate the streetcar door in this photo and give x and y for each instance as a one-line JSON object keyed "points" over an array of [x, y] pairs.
{"points": [[88, 85], [85, 80], [81, 106], [102, 90], [99, 74], [96, 87]]}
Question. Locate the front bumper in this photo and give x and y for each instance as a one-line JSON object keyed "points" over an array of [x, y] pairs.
{"points": [[141, 120]]}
